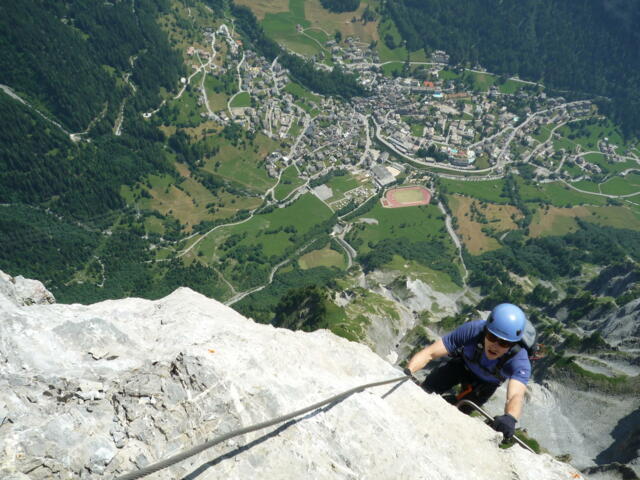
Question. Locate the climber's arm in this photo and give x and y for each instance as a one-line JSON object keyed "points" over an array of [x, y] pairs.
{"points": [[515, 398], [424, 356]]}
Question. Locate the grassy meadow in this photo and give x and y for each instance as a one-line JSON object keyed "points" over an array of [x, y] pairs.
{"points": [[303, 214], [289, 180], [242, 164], [414, 223], [325, 257], [488, 191]]}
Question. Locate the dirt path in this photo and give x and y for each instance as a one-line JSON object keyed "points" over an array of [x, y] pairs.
{"points": [[456, 241]]}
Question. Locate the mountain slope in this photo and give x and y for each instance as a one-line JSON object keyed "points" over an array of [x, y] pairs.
{"points": [[93, 391]]}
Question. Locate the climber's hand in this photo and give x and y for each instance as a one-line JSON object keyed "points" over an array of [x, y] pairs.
{"points": [[409, 374], [505, 424]]}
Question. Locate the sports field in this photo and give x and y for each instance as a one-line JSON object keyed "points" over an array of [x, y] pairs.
{"points": [[406, 197]]}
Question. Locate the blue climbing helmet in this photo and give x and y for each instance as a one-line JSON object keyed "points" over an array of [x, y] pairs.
{"points": [[507, 321]]}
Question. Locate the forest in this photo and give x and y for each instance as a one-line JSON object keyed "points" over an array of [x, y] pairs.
{"points": [[582, 48], [339, 6], [62, 57], [550, 258]]}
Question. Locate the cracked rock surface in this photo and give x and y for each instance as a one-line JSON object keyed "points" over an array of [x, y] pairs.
{"points": [[97, 391]]}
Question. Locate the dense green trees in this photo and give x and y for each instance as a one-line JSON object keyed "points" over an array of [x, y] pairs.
{"points": [[66, 56], [41, 245], [302, 309], [339, 6], [262, 305], [582, 46], [429, 253], [549, 258], [38, 163]]}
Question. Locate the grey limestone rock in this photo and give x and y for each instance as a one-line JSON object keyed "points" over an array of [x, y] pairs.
{"points": [[24, 292], [189, 369]]}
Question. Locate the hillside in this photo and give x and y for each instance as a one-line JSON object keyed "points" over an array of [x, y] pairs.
{"points": [[122, 384], [589, 47]]}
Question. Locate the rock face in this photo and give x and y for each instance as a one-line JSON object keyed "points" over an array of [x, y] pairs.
{"points": [[96, 391], [22, 291]]}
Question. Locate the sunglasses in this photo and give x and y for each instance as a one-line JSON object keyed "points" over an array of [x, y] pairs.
{"points": [[503, 343]]}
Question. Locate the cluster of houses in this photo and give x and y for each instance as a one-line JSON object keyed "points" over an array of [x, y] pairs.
{"points": [[412, 115]]}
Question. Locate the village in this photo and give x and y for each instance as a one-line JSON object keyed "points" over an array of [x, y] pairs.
{"points": [[429, 116]]}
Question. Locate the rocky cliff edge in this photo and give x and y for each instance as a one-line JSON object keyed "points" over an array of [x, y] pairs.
{"points": [[95, 391]]}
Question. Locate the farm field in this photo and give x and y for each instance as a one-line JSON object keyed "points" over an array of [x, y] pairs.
{"points": [[325, 257], [563, 143], [282, 28], [610, 167], [217, 101], [288, 182], [154, 225], [544, 133], [280, 19], [242, 99], [587, 185], [633, 203], [318, 34], [447, 74], [587, 135], [304, 98], [330, 22], [511, 86], [261, 7], [189, 201], [300, 92], [480, 82], [560, 221], [295, 129], [572, 169], [399, 53], [185, 110], [474, 217], [622, 185], [170, 200], [489, 191]]}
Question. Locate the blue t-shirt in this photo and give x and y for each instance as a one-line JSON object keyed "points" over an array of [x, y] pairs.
{"points": [[518, 367]]}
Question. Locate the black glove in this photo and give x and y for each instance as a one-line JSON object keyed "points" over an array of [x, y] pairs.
{"points": [[505, 424], [409, 374]]}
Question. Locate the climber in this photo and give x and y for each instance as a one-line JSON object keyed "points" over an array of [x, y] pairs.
{"points": [[484, 354]]}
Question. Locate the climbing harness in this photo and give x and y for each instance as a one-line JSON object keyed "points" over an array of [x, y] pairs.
{"points": [[143, 472], [489, 417]]}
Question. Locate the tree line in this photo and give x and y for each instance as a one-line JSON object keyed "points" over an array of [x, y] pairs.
{"points": [[340, 6]]}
